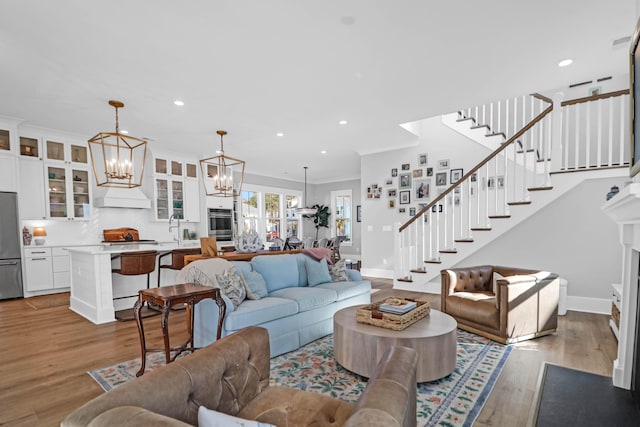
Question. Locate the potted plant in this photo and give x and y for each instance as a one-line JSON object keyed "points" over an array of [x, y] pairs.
{"points": [[320, 218]]}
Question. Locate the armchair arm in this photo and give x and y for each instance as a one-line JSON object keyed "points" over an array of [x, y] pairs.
{"points": [[390, 396]]}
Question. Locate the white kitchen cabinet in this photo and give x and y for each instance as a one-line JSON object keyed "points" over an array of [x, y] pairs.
{"points": [[8, 173], [66, 152], [175, 189], [38, 269], [69, 191], [61, 267], [31, 189]]}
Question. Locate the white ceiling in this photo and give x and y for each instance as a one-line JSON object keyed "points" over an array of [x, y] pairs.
{"points": [[255, 68]]}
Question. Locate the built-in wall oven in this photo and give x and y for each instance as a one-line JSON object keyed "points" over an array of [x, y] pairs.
{"points": [[221, 224]]}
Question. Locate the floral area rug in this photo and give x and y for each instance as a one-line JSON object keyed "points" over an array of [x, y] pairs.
{"points": [[455, 400]]}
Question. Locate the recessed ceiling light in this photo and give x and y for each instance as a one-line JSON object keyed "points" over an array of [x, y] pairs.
{"points": [[279, 134], [124, 131], [178, 103], [343, 122], [565, 62], [323, 152]]}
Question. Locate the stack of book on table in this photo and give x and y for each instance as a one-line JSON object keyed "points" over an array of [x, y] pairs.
{"points": [[397, 307]]}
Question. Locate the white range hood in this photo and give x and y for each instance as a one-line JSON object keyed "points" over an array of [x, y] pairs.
{"points": [[132, 198]]}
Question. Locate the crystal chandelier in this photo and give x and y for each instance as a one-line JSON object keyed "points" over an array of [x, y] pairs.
{"points": [[118, 159], [218, 172]]}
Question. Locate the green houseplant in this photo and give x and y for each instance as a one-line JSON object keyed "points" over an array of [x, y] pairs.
{"points": [[320, 218]]}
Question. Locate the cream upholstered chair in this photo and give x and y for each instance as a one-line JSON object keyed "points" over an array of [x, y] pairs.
{"points": [[504, 304]]}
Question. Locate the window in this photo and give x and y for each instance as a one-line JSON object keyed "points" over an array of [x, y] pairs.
{"points": [[271, 212], [342, 215], [249, 208]]}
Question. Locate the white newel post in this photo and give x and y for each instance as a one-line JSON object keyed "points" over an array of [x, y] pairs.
{"points": [[556, 132]]}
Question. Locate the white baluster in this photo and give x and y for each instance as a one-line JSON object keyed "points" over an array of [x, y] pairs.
{"points": [[599, 130], [577, 139], [610, 160], [623, 104], [587, 159]]}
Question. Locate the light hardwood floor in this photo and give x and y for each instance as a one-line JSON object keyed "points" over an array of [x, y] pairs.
{"points": [[46, 350]]}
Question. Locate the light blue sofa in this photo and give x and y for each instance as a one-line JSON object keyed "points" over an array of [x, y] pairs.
{"points": [[293, 312]]}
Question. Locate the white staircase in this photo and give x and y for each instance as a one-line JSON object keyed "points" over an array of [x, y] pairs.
{"points": [[535, 145]]}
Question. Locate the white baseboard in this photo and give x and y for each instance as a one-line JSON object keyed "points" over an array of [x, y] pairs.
{"points": [[377, 272]]}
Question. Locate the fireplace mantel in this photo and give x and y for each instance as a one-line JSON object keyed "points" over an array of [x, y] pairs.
{"points": [[624, 209]]}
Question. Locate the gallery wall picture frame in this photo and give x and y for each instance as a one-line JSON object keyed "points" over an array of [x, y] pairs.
{"points": [[392, 192], [422, 159], [405, 197], [412, 211], [441, 179], [388, 182], [401, 210], [392, 203], [443, 164], [500, 181], [417, 173], [394, 172], [456, 174], [422, 189], [406, 166], [474, 177], [436, 208], [405, 180], [429, 171], [359, 213]]}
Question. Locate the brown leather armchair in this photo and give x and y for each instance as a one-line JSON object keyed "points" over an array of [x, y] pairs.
{"points": [[232, 376], [523, 305]]}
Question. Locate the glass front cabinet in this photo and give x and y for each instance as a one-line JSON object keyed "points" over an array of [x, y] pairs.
{"points": [[68, 192], [173, 181]]}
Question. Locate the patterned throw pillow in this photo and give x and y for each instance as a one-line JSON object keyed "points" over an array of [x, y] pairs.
{"points": [[338, 271], [232, 287]]}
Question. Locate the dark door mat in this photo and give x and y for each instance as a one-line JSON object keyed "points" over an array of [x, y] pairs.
{"points": [[569, 397], [127, 315]]}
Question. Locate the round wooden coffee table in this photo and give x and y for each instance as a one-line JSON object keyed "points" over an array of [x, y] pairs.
{"points": [[358, 347]]}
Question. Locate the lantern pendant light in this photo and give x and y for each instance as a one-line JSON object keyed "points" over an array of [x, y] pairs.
{"points": [[306, 210]]}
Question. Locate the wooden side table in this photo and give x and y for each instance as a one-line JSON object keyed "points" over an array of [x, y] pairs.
{"points": [[166, 297]]}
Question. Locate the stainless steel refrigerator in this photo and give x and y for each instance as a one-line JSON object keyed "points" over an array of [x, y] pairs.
{"points": [[10, 264]]}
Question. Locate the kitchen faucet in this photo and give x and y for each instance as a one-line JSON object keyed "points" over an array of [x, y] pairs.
{"points": [[172, 227]]}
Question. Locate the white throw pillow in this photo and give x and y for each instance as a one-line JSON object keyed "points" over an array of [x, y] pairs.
{"points": [[496, 276], [210, 418]]}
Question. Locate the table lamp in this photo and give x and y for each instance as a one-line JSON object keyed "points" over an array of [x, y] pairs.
{"points": [[39, 233]]}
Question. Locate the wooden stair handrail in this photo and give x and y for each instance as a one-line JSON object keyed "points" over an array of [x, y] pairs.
{"points": [[466, 176], [595, 97]]}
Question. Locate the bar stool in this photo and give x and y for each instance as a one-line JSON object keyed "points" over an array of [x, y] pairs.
{"points": [[136, 263], [177, 259]]}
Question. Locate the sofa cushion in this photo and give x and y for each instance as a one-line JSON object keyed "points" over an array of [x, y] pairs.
{"points": [[279, 271], [338, 271], [232, 286], [242, 266], [349, 289], [255, 285], [210, 418], [317, 271], [255, 312], [307, 298], [478, 307]]}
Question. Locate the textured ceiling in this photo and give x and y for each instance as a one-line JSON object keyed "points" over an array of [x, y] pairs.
{"points": [[260, 67]]}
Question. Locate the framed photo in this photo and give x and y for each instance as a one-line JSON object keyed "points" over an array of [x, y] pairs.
{"points": [[417, 173], [392, 203], [388, 182], [405, 197], [443, 164], [500, 181], [405, 180], [358, 213], [406, 166], [391, 192], [401, 210], [436, 208], [491, 182], [441, 179], [422, 159], [412, 211], [394, 172], [429, 171], [421, 188], [474, 177], [456, 174]]}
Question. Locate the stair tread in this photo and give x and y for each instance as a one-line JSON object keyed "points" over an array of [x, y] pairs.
{"points": [[523, 202], [539, 188], [480, 228], [419, 270], [404, 279], [497, 134], [448, 251], [432, 261], [499, 216], [463, 240], [479, 126], [465, 119]]}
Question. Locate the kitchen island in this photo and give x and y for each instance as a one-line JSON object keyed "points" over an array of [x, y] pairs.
{"points": [[92, 282]]}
